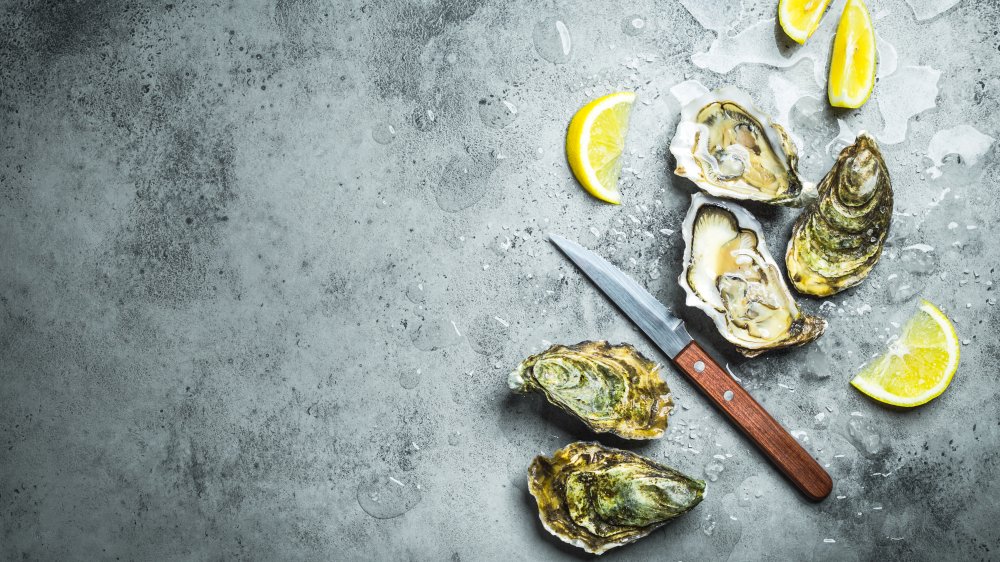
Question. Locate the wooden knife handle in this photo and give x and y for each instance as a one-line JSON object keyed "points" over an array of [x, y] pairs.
{"points": [[753, 420]]}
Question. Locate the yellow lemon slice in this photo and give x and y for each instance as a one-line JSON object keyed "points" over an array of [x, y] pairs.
{"points": [[595, 141], [800, 18], [852, 69], [919, 365]]}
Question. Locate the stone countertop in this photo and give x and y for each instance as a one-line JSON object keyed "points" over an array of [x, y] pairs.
{"points": [[265, 268]]}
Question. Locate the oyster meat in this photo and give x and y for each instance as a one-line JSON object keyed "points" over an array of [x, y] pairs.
{"points": [[837, 241], [730, 149], [611, 388], [729, 273], [598, 498]]}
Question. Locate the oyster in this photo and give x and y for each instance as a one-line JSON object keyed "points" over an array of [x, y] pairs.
{"points": [[598, 498], [730, 149], [611, 388], [729, 274], [837, 241]]}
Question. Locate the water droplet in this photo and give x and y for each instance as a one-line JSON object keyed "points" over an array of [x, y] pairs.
{"points": [[385, 497], [596, 236], [424, 119], [454, 438], [464, 181], [687, 91], [728, 396], [433, 334], [713, 470], [816, 125], [416, 293], [927, 9], [918, 258], [816, 364], [907, 92], [708, 525], [552, 40], [383, 133], [496, 113], [410, 378], [539, 153], [800, 435], [633, 25], [487, 335], [963, 145], [900, 287], [715, 16], [753, 45], [864, 437]]}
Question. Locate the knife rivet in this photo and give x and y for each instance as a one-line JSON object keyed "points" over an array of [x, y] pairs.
{"points": [[699, 366], [728, 395]]}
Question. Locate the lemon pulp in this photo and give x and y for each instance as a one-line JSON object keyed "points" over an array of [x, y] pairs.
{"points": [[595, 142], [852, 67], [918, 366], [800, 18]]}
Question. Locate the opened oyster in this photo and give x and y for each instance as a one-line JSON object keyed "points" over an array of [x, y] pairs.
{"points": [[730, 149], [837, 241], [729, 274], [597, 498], [611, 388]]}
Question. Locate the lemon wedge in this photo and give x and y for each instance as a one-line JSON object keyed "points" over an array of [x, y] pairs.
{"points": [[919, 365], [852, 68], [800, 18], [595, 141]]}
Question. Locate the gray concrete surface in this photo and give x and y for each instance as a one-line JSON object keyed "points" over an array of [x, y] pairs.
{"points": [[230, 298]]}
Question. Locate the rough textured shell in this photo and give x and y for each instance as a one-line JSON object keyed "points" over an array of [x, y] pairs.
{"points": [[689, 147], [598, 498], [804, 328], [610, 388], [837, 241]]}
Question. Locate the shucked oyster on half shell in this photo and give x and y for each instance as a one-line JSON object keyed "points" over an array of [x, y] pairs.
{"points": [[729, 273], [729, 148], [598, 498], [611, 388], [838, 240]]}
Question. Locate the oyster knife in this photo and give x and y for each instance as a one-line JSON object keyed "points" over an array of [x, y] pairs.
{"points": [[669, 334]]}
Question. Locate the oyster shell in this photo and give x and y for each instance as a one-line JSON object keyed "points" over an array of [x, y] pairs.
{"points": [[730, 149], [598, 498], [838, 240], [729, 274], [611, 388]]}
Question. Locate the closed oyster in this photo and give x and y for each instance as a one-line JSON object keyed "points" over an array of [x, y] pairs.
{"points": [[598, 498], [730, 149], [838, 240], [611, 388], [729, 274]]}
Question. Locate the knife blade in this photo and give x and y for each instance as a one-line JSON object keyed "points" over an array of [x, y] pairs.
{"points": [[668, 332]]}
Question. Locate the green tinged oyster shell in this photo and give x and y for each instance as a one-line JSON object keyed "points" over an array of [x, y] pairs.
{"points": [[838, 240], [611, 388], [598, 498]]}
